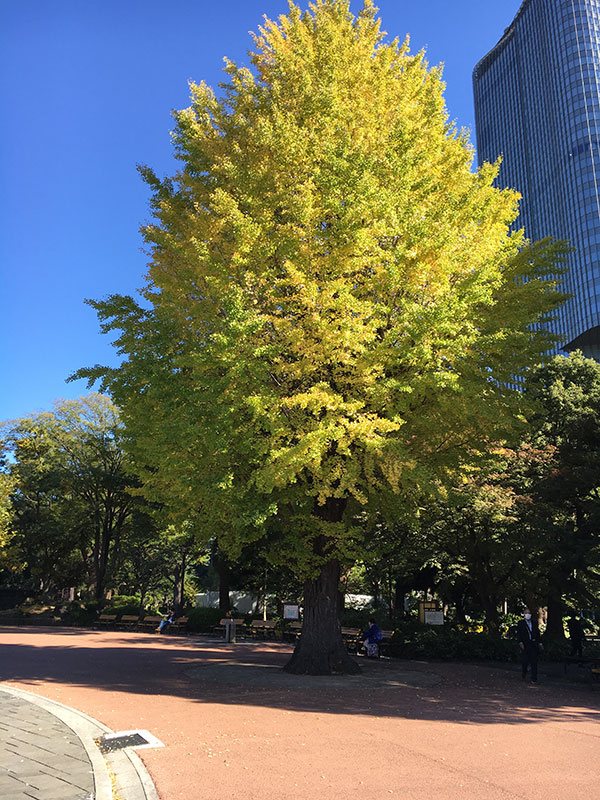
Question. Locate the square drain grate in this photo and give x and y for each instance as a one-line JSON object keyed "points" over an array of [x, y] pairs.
{"points": [[121, 739], [107, 745]]}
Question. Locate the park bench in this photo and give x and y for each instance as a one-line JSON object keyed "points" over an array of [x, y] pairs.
{"points": [[353, 639], [129, 621], [293, 630], [149, 623], [264, 627], [350, 637], [385, 641], [104, 620], [178, 626]]}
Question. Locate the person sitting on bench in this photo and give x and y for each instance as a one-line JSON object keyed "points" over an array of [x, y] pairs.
{"points": [[165, 623], [372, 637]]}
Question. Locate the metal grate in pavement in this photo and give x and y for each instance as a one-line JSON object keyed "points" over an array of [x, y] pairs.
{"points": [[136, 740], [107, 745]]}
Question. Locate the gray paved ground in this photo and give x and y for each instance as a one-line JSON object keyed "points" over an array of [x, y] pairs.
{"points": [[40, 756], [48, 751]]}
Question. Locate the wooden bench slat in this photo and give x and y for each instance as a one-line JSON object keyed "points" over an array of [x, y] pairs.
{"points": [[267, 627], [150, 621]]}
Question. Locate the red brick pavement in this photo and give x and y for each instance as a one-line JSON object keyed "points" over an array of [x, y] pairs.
{"points": [[478, 733]]}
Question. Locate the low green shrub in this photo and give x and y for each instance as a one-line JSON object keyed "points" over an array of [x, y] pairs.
{"points": [[76, 613], [122, 604], [413, 640], [408, 627], [592, 650], [203, 620], [357, 618], [12, 612], [482, 647], [554, 650], [424, 643]]}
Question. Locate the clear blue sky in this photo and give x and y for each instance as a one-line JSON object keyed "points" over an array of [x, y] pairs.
{"points": [[86, 90]]}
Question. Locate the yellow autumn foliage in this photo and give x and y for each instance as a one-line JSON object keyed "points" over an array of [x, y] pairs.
{"points": [[336, 305]]}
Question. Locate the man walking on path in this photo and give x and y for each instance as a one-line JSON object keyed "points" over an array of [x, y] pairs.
{"points": [[528, 636]]}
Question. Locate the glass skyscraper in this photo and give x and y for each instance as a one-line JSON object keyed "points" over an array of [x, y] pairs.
{"points": [[537, 104]]}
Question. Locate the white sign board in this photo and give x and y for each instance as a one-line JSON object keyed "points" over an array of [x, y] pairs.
{"points": [[291, 611], [434, 617]]}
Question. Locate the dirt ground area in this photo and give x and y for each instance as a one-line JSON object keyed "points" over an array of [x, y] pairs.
{"points": [[237, 728]]}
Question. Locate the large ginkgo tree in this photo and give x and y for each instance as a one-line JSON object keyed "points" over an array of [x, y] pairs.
{"points": [[337, 310]]}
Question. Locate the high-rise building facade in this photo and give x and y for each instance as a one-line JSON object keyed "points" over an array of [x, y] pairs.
{"points": [[537, 104]]}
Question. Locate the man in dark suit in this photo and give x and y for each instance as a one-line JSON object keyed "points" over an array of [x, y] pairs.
{"points": [[528, 636]]}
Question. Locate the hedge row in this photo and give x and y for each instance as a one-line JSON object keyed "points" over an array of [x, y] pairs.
{"points": [[410, 639], [448, 644]]}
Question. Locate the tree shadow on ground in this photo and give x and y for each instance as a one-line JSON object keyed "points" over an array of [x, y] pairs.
{"points": [[249, 674]]}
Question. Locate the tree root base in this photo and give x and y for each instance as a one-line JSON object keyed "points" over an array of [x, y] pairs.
{"points": [[326, 664]]}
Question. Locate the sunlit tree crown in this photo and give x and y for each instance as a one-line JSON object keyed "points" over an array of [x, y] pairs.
{"points": [[337, 306]]}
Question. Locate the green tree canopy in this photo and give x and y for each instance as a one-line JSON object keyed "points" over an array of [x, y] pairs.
{"points": [[336, 310], [69, 491], [565, 508], [524, 526]]}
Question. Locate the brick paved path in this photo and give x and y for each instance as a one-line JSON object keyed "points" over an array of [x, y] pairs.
{"points": [[40, 756], [235, 728]]}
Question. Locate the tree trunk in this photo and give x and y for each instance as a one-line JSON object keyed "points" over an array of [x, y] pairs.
{"points": [[485, 586], [223, 572], [101, 549], [179, 586], [554, 622], [264, 593], [492, 615], [390, 595], [375, 592], [399, 598], [461, 616], [221, 567], [321, 649], [142, 603]]}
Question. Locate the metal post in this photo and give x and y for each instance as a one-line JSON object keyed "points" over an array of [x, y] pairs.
{"points": [[230, 631]]}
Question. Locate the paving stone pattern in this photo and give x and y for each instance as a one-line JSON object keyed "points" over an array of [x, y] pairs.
{"points": [[40, 756]]}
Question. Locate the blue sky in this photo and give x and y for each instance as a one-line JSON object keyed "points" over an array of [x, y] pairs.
{"points": [[86, 91]]}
